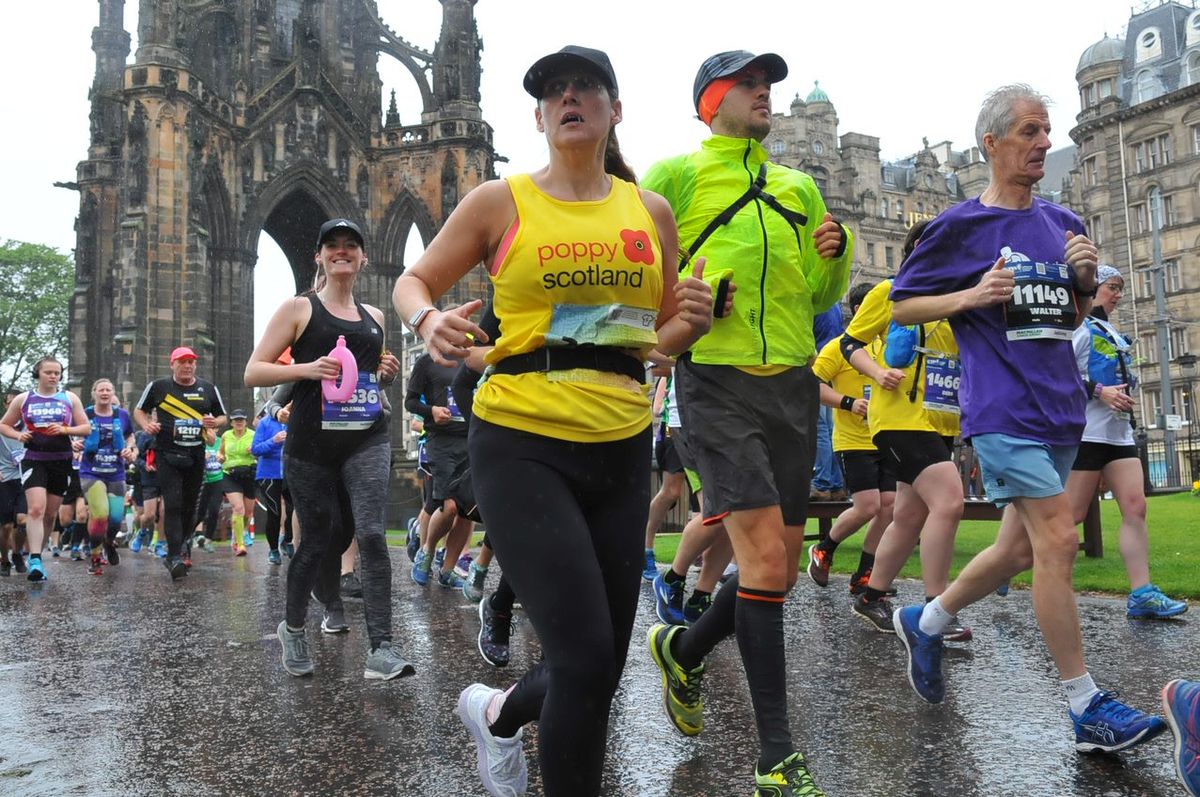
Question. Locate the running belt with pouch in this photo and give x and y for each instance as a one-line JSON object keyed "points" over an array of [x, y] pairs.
{"points": [[565, 358], [755, 191]]}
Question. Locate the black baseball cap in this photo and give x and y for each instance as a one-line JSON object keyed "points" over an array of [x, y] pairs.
{"points": [[570, 56], [336, 225], [734, 61], [237, 415]]}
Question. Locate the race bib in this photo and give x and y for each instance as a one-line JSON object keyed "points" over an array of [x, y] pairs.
{"points": [[1042, 306], [212, 465], [452, 405], [943, 375], [359, 412], [188, 432], [605, 325], [106, 462]]}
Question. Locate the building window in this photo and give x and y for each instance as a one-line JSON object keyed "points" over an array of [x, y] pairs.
{"points": [[1154, 401], [777, 147], [1172, 280], [1191, 72], [1090, 171], [1178, 342], [1152, 153], [883, 208], [889, 258], [1106, 88], [870, 254], [1149, 353], [1149, 45], [1196, 139], [889, 176], [1145, 87], [1096, 229], [1166, 211], [1088, 95], [899, 210], [1138, 219]]}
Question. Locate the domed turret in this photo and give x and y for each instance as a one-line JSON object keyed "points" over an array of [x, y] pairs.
{"points": [[817, 94], [1104, 51]]}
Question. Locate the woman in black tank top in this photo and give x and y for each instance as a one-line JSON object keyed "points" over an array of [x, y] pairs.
{"points": [[334, 443]]}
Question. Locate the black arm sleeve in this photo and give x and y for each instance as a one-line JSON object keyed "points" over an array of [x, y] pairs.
{"points": [[850, 345], [417, 384]]}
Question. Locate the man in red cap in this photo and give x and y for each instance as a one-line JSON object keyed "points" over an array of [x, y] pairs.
{"points": [[747, 390], [184, 407]]}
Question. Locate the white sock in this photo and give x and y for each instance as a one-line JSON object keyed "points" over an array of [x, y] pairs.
{"points": [[1080, 692], [934, 618]]}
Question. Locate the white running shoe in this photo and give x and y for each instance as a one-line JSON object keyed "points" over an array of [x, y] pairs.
{"points": [[501, 761]]}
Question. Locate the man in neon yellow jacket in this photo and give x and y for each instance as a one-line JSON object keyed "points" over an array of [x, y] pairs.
{"points": [[747, 396]]}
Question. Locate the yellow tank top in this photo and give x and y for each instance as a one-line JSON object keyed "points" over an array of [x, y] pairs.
{"points": [[582, 272], [926, 409], [237, 449]]}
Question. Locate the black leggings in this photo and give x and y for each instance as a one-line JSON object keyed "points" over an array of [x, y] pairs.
{"points": [[210, 509], [270, 498], [180, 488], [364, 474], [542, 496]]}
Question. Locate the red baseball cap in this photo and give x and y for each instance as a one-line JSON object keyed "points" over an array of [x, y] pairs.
{"points": [[182, 353]]}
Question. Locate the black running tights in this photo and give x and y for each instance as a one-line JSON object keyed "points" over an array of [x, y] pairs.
{"points": [[543, 497]]}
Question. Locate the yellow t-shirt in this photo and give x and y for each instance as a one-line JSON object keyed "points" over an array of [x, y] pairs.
{"points": [[904, 409], [850, 432], [574, 272]]}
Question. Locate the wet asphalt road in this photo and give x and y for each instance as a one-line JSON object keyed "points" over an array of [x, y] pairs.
{"points": [[128, 684]]}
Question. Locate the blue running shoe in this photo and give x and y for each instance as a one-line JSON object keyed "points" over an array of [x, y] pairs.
{"points": [[439, 558], [136, 543], [37, 572], [696, 607], [449, 580], [413, 544], [668, 600], [288, 549], [1150, 602], [55, 551], [247, 539], [420, 569], [1003, 589], [76, 553], [1181, 704], [160, 550], [1108, 725], [924, 654], [650, 571], [274, 558]]}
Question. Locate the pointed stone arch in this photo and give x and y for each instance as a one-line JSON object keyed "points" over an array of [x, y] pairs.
{"points": [[405, 212]]}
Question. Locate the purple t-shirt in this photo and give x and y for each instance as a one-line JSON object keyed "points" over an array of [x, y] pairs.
{"points": [[1028, 388]]}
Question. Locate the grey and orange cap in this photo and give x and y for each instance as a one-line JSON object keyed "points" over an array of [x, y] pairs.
{"points": [[339, 225], [730, 63], [570, 56]]}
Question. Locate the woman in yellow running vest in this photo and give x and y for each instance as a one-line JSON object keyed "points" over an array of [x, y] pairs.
{"points": [[238, 485], [584, 269]]}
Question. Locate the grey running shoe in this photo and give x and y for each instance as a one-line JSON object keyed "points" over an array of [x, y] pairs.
{"points": [[385, 663], [495, 630], [473, 586], [334, 621], [502, 765], [350, 586], [877, 614], [296, 659]]}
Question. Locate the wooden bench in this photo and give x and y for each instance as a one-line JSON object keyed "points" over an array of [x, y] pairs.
{"points": [[1092, 543]]}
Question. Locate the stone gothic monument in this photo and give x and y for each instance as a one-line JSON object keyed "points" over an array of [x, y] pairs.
{"points": [[238, 116]]}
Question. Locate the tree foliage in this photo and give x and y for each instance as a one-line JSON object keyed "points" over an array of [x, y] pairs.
{"points": [[36, 283]]}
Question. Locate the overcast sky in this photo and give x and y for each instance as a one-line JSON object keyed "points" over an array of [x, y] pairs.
{"points": [[899, 71]]}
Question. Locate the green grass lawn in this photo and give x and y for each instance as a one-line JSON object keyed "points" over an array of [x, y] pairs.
{"points": [[1174, 549]]}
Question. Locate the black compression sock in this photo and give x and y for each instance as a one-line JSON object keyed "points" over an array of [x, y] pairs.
{"points": [[698, 596], [759, 621], [829, 545], [691, 646], [671, 577], [872, 594], [865, 562]]}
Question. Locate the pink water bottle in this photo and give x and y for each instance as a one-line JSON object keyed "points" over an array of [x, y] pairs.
{"points": [[341, 391]]}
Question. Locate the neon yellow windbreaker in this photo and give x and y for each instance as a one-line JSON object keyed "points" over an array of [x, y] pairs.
{"points": [[781, 280]]}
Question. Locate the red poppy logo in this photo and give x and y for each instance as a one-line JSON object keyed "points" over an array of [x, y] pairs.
{"points": [[637, 246]]}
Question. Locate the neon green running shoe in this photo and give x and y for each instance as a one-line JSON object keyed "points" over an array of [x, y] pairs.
{"points": [[788, 778], [681, 688]]}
